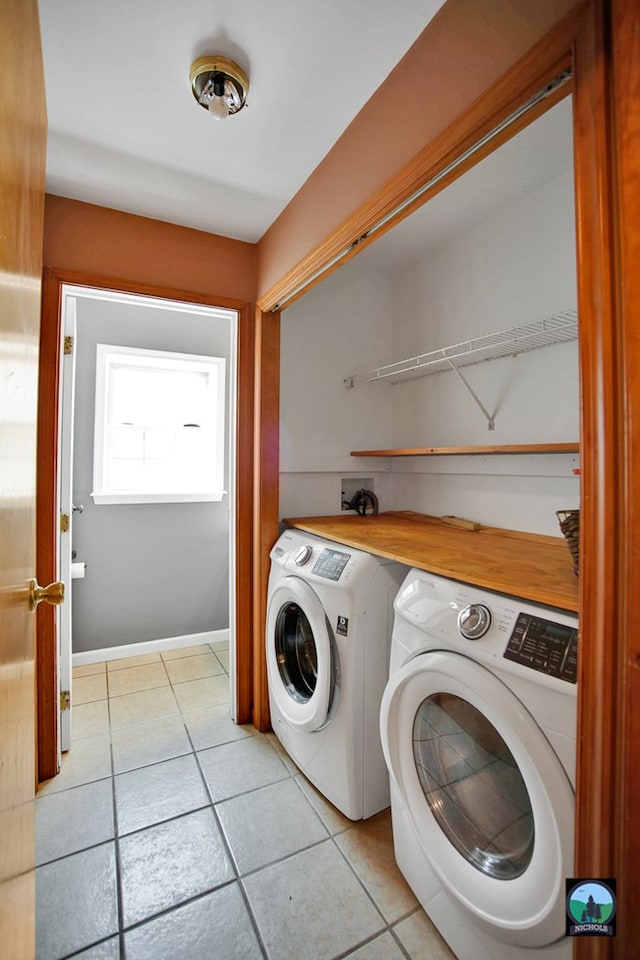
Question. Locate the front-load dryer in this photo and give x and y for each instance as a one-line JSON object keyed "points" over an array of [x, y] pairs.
{"points": [[478, 726], [329, 621]]}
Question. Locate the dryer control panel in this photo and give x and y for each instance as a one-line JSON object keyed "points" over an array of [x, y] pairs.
{"points": [[544, 645]]}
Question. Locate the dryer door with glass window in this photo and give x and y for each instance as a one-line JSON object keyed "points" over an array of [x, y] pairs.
{"points": [[487, 797], [299, 655]]}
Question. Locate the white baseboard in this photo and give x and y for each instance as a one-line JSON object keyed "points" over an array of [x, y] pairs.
{"points": [[148, 646]]}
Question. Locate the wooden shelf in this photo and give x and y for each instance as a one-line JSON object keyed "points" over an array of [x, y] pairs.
{"points": [[466, 451]]}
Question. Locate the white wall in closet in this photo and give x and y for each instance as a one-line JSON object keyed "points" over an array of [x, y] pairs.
{"points": [[342, 325], [510, 269], [494, 250]]}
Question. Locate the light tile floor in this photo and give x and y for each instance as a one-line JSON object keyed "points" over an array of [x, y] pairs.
{"points": [[173, 832]]}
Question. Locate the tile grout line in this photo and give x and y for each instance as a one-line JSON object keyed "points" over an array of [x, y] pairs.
{"points": [[238, 876], [232, 860], [294, 777], [117, 933], [398, 941], [115, 838], [162, 823], [92, 946], [156, 686], [330, 837], [176, 906], [123, 929], [119, 889], [252, 919], [387, 924], [171, 909]]}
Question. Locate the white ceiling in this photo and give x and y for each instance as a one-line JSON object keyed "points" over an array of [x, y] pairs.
{"points": [[126, 132], [537, 155]]}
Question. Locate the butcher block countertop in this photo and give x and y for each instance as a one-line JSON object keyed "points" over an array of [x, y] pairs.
{"points": [[527, 565]]}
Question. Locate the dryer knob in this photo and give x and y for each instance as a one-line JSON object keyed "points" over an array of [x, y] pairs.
{"points": [[474, 621], [303, 555]]}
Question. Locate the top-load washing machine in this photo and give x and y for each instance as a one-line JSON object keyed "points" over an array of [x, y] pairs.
{"points": [[329, 621], [478, 726]]}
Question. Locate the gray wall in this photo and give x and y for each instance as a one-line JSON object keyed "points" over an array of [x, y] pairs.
{"points": [[153, 570]]}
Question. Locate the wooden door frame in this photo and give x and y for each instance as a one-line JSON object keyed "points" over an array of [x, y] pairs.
{"points": [[608, 228], [46, 536], [266, 497], [610, 718]]}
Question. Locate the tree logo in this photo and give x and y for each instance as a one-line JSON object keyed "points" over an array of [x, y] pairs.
{"points": [[591, 908]]}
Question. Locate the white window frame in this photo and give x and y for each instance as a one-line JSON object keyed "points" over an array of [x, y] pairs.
{"points": [[108, 355]]}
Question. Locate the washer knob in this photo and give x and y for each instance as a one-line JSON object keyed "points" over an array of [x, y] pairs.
{"points": [[474, 621], [303, 555]]}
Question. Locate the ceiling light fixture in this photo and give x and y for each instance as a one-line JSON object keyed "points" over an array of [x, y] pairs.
{"points": [[219, 85]]}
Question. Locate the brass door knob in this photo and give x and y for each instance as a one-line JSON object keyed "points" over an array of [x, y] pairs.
{"points": [[53, 593]]}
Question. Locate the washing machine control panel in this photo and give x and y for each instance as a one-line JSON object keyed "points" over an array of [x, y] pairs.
{"points": [[330, 564], [544, 645]]}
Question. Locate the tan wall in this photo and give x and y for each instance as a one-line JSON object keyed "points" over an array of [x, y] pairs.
{"points": [[484, 38], [97, 240]]}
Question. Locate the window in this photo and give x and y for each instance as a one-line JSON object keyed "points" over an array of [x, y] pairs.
{"points": [[159, 426]]}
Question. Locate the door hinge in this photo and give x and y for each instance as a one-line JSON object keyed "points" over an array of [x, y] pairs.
{"points": [[65, 699], [64, 523], [68, 346]]}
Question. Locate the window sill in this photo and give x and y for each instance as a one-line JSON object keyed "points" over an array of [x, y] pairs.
{"points": [[125, 498]]}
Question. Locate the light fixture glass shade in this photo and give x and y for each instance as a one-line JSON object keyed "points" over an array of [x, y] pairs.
{"points": [[218, 108], [219, 85]]}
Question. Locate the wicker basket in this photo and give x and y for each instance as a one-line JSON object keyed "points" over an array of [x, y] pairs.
{"points": [[570, 525]]}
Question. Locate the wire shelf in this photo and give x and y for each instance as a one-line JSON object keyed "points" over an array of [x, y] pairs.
{"points": [[557, 328]]}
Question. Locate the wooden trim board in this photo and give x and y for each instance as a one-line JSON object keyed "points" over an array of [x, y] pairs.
{"points": [[626, 213], [266, 494], [471, 451], [84, 657]]}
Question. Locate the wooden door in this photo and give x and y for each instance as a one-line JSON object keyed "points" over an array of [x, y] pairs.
{"points": [[22, 162]]}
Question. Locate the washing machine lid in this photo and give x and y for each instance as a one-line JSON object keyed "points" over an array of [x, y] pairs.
{"points": [[488, 799], [300, 666]]}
